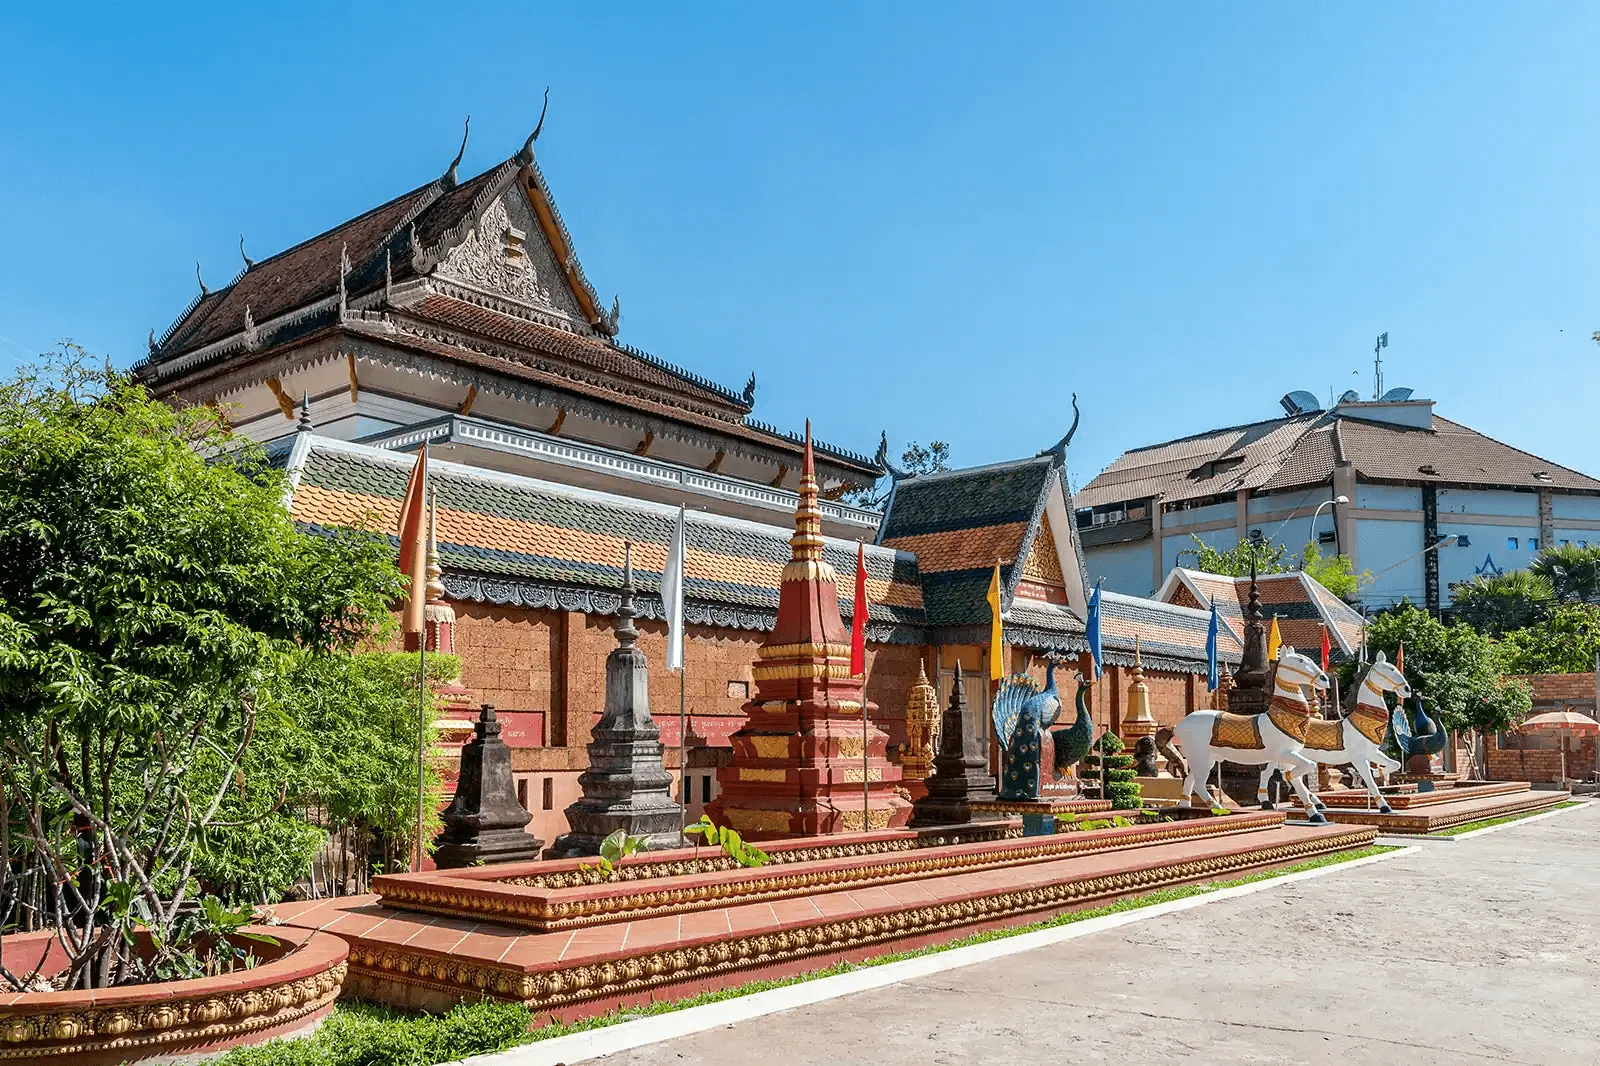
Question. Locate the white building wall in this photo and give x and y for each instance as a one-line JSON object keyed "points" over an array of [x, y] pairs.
{"points": [[1125, 568]]}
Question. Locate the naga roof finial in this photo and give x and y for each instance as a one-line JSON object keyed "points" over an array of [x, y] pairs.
{"points": [[750, 390], [1058, 451], [203, 290], [881, 460], [526, 155], [249, 263], [451, 176], [152, 342]]}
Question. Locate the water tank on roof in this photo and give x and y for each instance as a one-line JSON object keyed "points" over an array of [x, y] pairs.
{"points": [[1300, 402]]}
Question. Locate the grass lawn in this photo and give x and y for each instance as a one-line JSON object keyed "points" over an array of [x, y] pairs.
{"points": [[361, 1034], [1467, 827]]}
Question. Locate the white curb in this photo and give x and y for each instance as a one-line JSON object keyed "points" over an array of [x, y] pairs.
{"points": [[624, 1036], [1515, 821]]}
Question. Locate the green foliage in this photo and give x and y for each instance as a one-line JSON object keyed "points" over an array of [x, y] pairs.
{"points": [[914, 460], [338, 732], [1109, 743], [1496, 604], [1457, 668], [729, 840], [613, 849], [1573, 572], [1565, 642], [1235, 561], [361, 1034], [1125, 795], [153, 587], [1336, 573]]}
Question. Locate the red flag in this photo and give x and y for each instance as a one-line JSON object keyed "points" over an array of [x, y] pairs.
{"points": [[1327, 647], [858, 617], [413, 547]]}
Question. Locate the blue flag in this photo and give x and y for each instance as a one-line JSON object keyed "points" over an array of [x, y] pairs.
{"points": [[1091, 628], [1211, 650]]}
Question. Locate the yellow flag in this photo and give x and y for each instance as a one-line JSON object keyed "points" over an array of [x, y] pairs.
{"points": [[996, 667], [1274, 641]]}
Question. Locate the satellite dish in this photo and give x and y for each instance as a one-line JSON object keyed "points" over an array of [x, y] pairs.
{"points": [[1398, 395], [1300, 402], [1350, 396]]}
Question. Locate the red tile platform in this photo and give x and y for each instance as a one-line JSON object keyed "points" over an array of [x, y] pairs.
{"points": [[665, 935], [1432, 812], [1408, 797]]}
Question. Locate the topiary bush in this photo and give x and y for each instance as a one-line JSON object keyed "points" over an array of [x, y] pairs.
{"points": [[1118, 769]]}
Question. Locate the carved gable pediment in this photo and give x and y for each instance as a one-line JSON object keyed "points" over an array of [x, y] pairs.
{"points": [[507, 255]]}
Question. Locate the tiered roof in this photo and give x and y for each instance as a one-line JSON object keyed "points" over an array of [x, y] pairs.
{"points": [[1301, 605], [426, 273], [518, 540]]}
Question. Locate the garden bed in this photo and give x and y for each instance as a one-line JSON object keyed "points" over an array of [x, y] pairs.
{"points": [[290, 990]]}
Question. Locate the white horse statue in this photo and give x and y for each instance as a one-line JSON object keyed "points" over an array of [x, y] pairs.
{"points": [[1273, 738], [1357, 740]]}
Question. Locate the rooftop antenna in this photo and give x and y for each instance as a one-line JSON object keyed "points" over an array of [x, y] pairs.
{"points": [[1377, 364]]}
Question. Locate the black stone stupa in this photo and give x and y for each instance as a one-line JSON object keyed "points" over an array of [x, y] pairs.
{"points": [[484, 822], [960, 775], [626, 786]]}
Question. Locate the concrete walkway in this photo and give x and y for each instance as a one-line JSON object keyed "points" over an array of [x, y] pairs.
{"points": [[1480, 950]]}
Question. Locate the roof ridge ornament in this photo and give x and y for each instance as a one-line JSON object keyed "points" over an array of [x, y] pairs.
{"points": [[1058, 451], [344, 268], [304, 425], [526, 155], [881, 460], [749, 396], [249, 264], [452, 176], [252, 335], [153, 346], [609, 321], [204, 291]]}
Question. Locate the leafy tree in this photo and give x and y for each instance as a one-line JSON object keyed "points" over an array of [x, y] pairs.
{"points": [[1333, 572], [1455, 668], [154, 584], [914, 460], [1565, 641], [1496, 604], [1235, 561], [1573, 572], [1336, 573]]}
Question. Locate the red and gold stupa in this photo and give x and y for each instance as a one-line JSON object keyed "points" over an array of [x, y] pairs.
{"points": [[801, 756]]}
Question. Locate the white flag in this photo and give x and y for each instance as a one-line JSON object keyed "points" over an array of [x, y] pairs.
{"points": [[672, 596]]}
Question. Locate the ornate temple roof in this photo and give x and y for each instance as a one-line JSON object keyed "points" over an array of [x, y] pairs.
{"points": [[1300, 604], [508, 539], [480, 276]]}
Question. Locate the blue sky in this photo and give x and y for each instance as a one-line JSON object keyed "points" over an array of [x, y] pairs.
{"points": [[939, 220]]}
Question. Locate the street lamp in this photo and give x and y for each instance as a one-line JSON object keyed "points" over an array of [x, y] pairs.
{"points": [[1318, 514]]}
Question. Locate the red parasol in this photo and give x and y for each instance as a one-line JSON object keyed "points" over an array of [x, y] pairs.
{"points": [[1564, 722]]}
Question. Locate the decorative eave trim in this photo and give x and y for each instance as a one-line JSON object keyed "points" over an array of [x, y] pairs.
{"points": [[537, 595]]}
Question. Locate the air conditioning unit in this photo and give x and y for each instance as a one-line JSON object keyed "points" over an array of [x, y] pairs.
{"points": [[1100, 518]]}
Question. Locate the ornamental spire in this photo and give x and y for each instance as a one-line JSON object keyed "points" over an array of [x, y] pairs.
{"points": [[806, 544]]}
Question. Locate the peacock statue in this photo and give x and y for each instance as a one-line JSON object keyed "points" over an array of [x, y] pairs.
{"points": [[1074, 742], [1023, 711]]}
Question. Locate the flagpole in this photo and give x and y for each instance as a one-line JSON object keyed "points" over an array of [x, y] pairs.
{"points": [[866, 790], [422, 678], [683, 755]]}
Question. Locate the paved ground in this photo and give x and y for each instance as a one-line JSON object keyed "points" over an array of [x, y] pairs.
{"points": [[1482, 950]]}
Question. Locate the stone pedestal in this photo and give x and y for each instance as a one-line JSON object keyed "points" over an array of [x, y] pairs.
{"points": [[626, 786], [961, 775], [484, 822]]}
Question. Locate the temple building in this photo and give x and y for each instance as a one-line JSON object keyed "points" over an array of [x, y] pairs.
{"points": [[459, 315]]}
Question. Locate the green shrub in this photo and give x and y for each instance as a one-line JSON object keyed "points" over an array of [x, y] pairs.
{"points": [[1124, 795], [1121, 775], [360, 1034]]}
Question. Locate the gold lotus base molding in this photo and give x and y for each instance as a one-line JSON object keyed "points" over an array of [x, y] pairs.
{"points": [[373, 969], [164, 1026]]}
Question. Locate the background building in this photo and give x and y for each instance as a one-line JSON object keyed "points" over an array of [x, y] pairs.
{"points": [[1411, 478]]}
